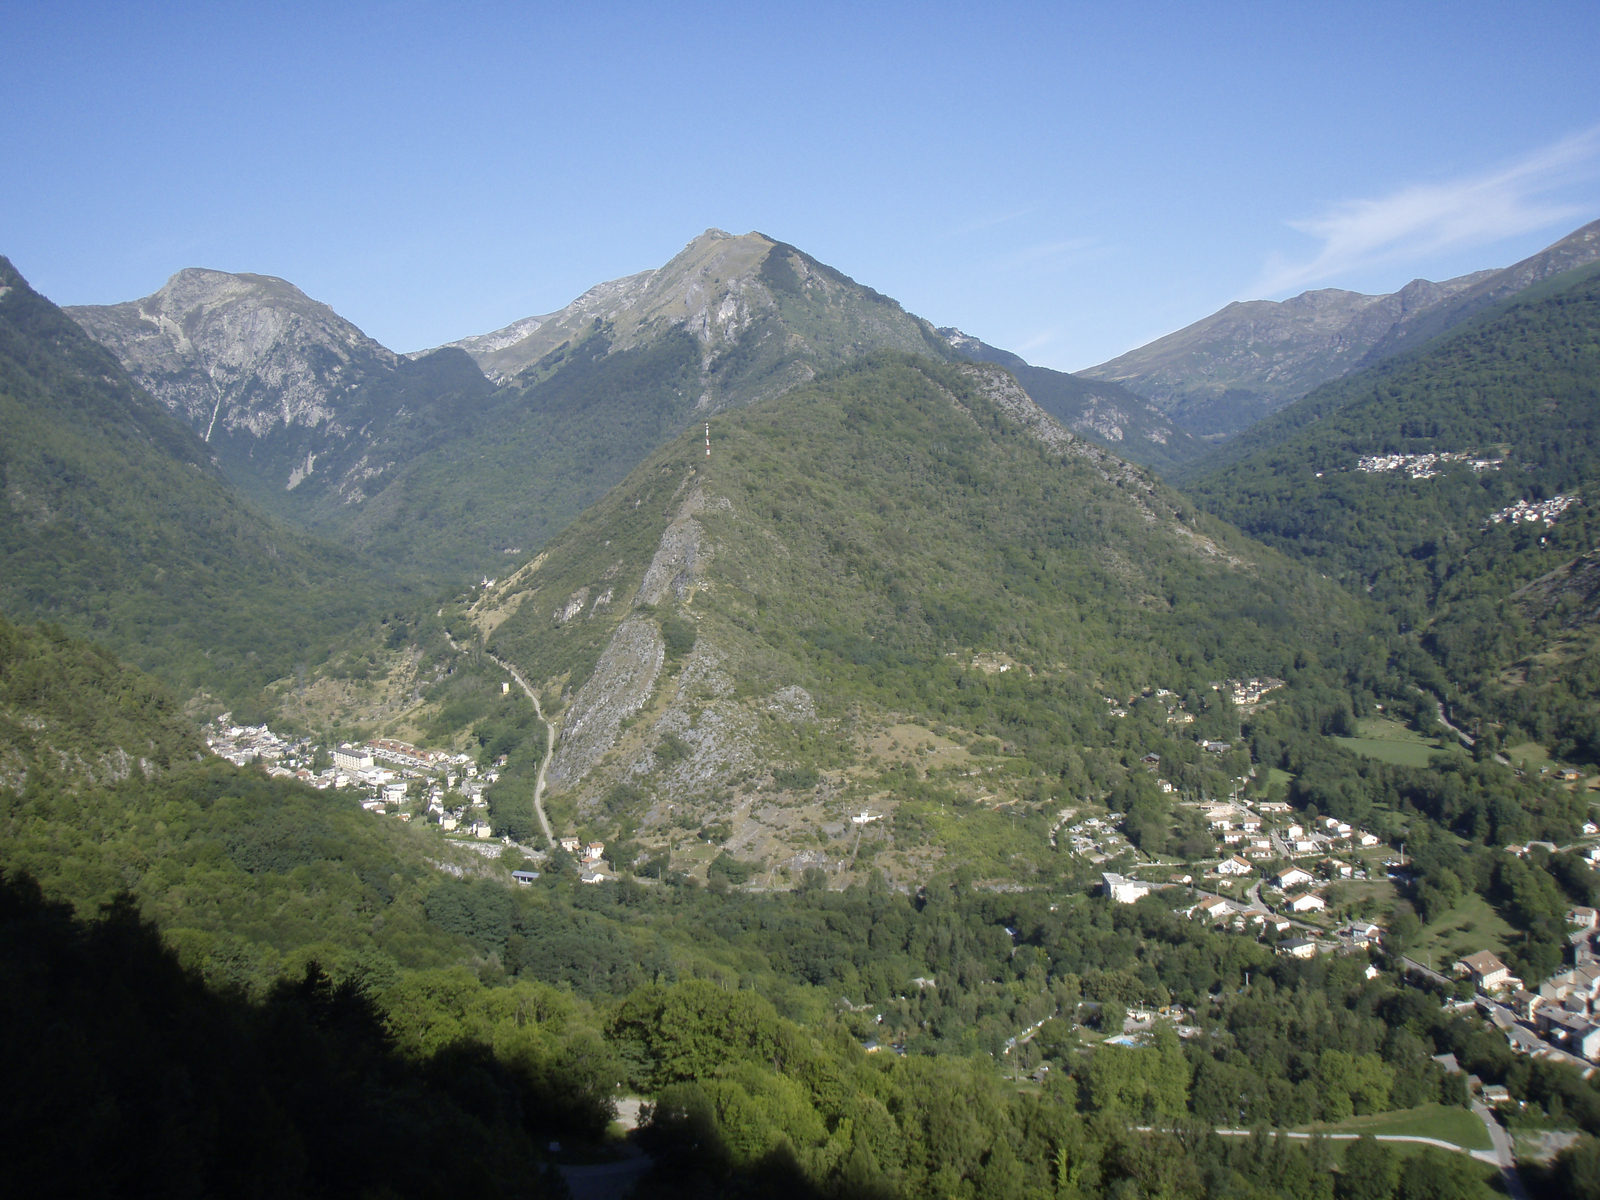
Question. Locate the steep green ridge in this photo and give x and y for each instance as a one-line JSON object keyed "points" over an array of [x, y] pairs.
{"points": [[899, 537], [530, 462], [117, 524], [1577, 249], [1521, 383], [386, 422], [567, 426], [1127, 424]]}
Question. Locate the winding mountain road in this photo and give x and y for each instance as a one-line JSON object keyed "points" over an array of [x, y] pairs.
{"points": [[549, 747]]}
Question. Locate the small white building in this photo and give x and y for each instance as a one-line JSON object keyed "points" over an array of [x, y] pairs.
{"points": [[1213, 908], [1293, 877], [1234, 866], [1123, 891], [1307, 902]]}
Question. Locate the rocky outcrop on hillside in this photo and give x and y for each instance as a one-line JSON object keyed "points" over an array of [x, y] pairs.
{"points": [[1572, 590], [622, 682]]}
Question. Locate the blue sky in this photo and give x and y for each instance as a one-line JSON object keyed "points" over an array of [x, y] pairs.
{"points": [[1067, 181]]}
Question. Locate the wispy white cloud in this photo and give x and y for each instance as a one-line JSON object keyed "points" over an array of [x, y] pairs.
{"points": [[1426, 218], [1046, 338], [979, 224], [1050, 251]]}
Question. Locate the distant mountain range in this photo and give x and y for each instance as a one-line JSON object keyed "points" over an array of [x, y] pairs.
{"points": [[1223, 374], [446, 461]]}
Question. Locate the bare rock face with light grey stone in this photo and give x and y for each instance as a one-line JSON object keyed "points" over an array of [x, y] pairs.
{"points": [[237, 353]]}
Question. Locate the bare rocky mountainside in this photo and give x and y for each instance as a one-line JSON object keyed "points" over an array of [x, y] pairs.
{"points": [[304, 412], [749, 642], [1226, 372]]}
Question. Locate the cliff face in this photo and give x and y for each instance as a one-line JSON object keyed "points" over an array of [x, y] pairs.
{"points": [[238, 353], [305, 413]]}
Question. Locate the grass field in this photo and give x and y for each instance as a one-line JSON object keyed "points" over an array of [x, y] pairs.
{"points": [[1400, 754], [1381, 729], [1528, 754], [1391, 742], [1467, 928], [1454, 1125]]}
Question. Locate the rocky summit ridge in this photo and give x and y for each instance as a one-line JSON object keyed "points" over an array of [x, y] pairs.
{"points": [[764, 315], [237, 352]]}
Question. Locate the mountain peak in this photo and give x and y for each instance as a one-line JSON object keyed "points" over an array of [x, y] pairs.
{"points": [[724, 290]]}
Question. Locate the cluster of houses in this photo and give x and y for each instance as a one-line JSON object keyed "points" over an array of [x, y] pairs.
{"points": [[1247, 834], [1421, 466], [244, 744], [1097, 839], [1564, 1012], [388, 786], [1532, 511], [1245, 692], [591, 858]]}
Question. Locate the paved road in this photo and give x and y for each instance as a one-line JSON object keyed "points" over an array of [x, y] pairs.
{"points": [[1505, 1154], [1427, 973], [1438, 704], [1489, 1156], [549, 747]]}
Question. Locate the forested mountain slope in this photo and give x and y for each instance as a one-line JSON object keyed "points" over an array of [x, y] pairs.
{"points": [[118, 524], [1105, 412], [1339, 480], [899, 537], [1222, 374], [424, 464]]}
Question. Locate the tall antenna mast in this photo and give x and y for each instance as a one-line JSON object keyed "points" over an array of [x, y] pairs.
{"points": [[708, 439]]}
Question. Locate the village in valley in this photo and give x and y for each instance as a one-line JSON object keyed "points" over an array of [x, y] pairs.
{"points": [[1295, 883], [393, 778], [1304, 883]]}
